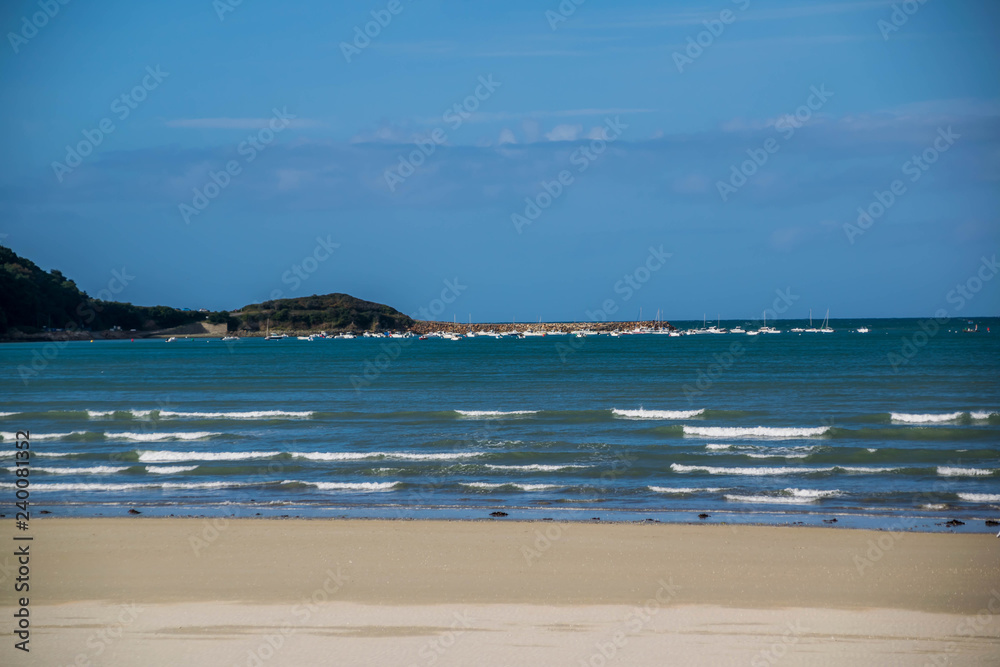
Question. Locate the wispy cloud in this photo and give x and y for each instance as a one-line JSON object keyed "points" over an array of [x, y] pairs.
{"points": [[564, 133], [502, 116]]}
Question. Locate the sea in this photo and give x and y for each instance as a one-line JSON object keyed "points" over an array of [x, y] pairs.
{"points": [[896, 429]]}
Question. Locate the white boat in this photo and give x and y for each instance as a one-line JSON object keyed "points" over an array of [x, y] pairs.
{"points": [[715, 328], [674, 334], [737, 330], [862, 329], [172, 339], [269, 336], [766, 329], [702, 330], [752, 333], [229, 338], [800, 329], [309, 338], [826, 324], [451, 336]]}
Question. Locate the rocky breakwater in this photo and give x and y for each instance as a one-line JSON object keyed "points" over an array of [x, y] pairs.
{"points": [[423, 327]]}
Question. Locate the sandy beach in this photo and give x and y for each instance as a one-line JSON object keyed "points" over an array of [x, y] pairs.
{"points": [[355, 592]]}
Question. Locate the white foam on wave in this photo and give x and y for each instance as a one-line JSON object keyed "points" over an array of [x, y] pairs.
{"points": [[179, 486], [9, 454], [758, 452], [755, 431], [8, 414], [907, 418], [435, 456], [494, 413], [346, 486], [405, 456], [60, 486], [335, 456], [168, 457], [93, 470], [775, 455], [657, 414], [202, 485], [668, 489], [535, 467], [41, 436], [950, 471], [813, 493], [99, 414], [159, 437], [168, 414], [787, 496], [523, 487], [169, 470], [983, 414], [776, 470], [980, 497], [253, 414], [760, 471]]}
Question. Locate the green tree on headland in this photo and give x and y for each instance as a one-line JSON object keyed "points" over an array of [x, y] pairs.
{"points": [[33, 301]]}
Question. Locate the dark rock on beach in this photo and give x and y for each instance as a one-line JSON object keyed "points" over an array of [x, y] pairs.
{"points": [[954, 522], [704, 516], [134, 511], [498, 514]]}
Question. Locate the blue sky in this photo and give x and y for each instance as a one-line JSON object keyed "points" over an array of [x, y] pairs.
{"points": [[642, 108]]}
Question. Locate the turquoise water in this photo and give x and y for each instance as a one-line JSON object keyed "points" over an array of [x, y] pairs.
{"points": [[770, 428]]}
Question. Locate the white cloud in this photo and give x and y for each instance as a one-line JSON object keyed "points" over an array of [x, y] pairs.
{"points": [[564, 132], [507, 137]]}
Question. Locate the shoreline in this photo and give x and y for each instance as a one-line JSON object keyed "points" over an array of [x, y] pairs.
{"points": [[834, 520], [419, 327]]}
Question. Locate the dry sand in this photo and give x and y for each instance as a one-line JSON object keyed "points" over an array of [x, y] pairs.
{"points": [[351, 592]]}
